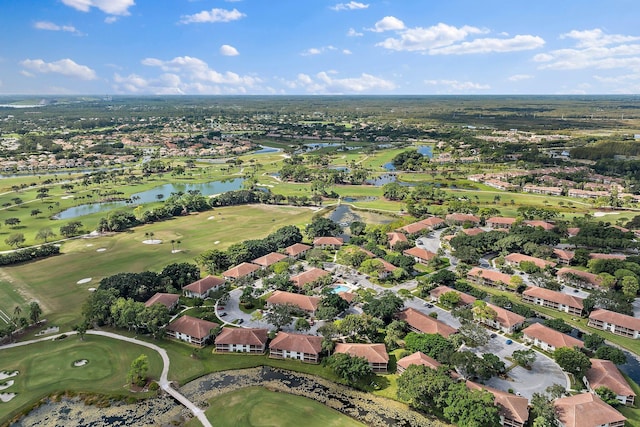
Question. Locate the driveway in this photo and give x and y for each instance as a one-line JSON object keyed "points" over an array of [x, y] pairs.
{"points": [[543, 373]]}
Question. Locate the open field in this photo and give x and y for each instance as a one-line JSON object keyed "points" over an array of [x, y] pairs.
{"points": [[259, 407], [53, 281], [47, 367]]}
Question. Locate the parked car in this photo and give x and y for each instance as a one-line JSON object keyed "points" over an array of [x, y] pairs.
{"points": [[223, 314], [508, 342]]}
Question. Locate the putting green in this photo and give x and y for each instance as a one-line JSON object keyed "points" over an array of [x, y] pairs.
{"points": [[259, 407]]}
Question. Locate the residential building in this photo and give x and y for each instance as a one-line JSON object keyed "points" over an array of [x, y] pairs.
{"points": [[306, 348], [515, 259], [552, 191], [328, 242], [420, 255], [579, 278], [297, 250], [376, 354], [459, 219], [505, 320], [303, 302], [414, 228], [563, 256], [472, 231], [268, 260], [513, 409], [465, 299], [620, 324], [241, 340], [168, 300], [537, 223], [553, 299], [549, 339], [595, 255], [500, 222], [425, 324], [482, 276], [240, 271], [395, 238], [417, 358], [433, 222], [191, 329], [309, 276], [604, 373], [203, 287], [586, 410]]}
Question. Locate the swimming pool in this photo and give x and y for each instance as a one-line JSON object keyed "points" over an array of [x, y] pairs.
{"points": [[340, 288]]}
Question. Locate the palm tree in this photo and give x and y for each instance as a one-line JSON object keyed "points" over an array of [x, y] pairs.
{"points": [[34, 312], [172, 245]]}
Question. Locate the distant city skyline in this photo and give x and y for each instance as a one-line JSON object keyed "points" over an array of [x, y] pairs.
{"points": [[295, 47]]}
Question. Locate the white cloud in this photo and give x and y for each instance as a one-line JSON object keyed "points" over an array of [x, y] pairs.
{"points": [[228, 50], [111, 7], [110, 19], [166, 84], [519, 77], [50, 26], [196, 71], [593, 49], [346, 52], [66, 67], [354, 33], [457, 86], [352, 5], [324, 83], [490, 45], [317, 50], [425, 39], [26, 73], [213, 15], [388, 23]]}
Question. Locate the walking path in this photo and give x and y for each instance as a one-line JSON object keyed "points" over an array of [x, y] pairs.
{"points": [[164, 383]]}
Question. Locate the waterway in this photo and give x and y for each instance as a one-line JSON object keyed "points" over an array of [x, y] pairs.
{"points": [[153, 195]]}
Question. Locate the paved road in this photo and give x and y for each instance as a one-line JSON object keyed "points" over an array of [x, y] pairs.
{"points": [[164, 382]]}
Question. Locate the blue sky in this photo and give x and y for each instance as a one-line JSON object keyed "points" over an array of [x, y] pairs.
{"points": [[319, 47]]}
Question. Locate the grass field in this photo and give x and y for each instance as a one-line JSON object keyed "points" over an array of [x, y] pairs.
{"points": [[53, 281], [259, 407], [47, 367]]}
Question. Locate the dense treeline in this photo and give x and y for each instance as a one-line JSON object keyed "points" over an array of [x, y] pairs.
{"points": [[600, 235], [29, 254], [606, 150]]}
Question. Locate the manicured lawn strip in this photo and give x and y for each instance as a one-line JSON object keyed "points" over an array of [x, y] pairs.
{"points": [[258, 407], [47, 367], [9, 299], [53, 281], [631, 412]]}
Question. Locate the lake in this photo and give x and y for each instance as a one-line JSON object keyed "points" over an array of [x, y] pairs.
{"points": [[206, 189]]}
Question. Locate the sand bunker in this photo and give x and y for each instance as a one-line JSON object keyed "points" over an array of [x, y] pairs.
{"points": [[175, 251], [67, 197], [85, 280], [5, 397], [91, 289], [101, 249], [6, 374], [81, 362], [49, 330], [216, 242], [601, 214], [211, 217], [89, 245], [6, 385], [152, 242]]}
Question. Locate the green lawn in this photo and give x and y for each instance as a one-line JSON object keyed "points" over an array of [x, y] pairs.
{"points": [[47, 367], [259, 407], [53, 281]]}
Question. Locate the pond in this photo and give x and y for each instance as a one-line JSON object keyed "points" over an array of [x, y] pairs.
{"points": [[264, 150], [425, 150], [206, 189]]}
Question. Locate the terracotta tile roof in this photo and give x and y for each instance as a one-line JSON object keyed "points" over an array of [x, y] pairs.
{"points": [[458, 217], [472, 231], [563, 254], [242, 336], [614, 318], [510, 406], [573, 231], [414, 227], [328, 240], [419, 358], [387, 265], [241, 270], [419, 253], [554, 296], [395, 238], [192, 326], [518, 258], [500, 220], [374, 353], [305, 302], [605, 373], [308, 276], [269, 259], [347, 296], [203, 285], [168, 300], [505, 317], [551, 336], [309, 344], [425, 324], [432, 221], [537, 223], [296, 249], [585, 410], [594, 279], [494, 276], [465, 299], [595, 255]]}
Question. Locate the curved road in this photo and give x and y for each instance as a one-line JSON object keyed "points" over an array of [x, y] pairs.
{"points": [[164, 382]]}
